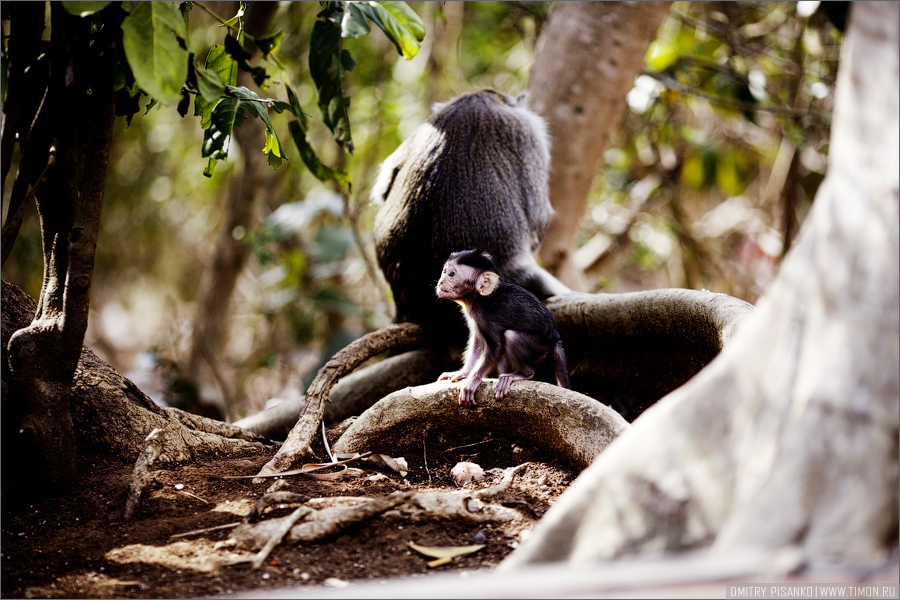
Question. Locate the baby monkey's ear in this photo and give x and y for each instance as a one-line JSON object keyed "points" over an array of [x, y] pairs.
{"points": [[487, 283]]}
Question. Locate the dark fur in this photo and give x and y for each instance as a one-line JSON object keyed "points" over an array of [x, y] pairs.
{"points": [[510, 327], [475, 175]]}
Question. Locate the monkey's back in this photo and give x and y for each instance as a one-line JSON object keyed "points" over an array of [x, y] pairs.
{"points": [[513, 307], [473, 176]]}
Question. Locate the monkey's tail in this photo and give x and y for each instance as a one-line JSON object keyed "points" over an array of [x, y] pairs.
{"points": [[559, 366]]}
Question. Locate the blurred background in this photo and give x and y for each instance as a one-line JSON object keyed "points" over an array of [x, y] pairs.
{"points": [[222, 310]]}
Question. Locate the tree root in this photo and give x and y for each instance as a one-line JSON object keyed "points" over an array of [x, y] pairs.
{"points": [[626, 350], [357, 391], [317, 524], [111, 415], [465, 504], [141, 472], [297, 444], [629, 350], [564, 423]]}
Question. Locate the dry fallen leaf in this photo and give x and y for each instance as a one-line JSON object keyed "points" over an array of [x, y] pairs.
{"points": [[397, 465], [444, 554]]}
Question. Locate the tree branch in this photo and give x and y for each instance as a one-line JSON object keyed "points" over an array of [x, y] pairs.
{"points": [[17, 204]]}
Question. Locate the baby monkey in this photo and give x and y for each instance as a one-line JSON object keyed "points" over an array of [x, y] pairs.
{"points": [[509, 328]]}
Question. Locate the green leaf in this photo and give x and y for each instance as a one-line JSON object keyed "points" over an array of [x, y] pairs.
{"points": [[268, 44], [128, 102], [227, 114], [210, 168], [295, 105], [253, 104], [298, 129], [219, 62], [326, 70], [83, 9], [280, 107], [184, 104], [209, 84], [348, 63], [185, 8], [399, 22], [354, 24], [660, 56], [150, 35], [241, 56]]}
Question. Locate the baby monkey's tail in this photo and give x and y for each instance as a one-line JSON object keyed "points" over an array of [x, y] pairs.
{"points": [[559, 366]]}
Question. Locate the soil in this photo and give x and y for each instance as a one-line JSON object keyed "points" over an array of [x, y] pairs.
{"points": [[80, 546]]}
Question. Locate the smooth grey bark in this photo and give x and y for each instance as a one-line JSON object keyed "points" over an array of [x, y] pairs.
{"points": [[424, 420], [590, 55], [790, 437], [629, 350]]}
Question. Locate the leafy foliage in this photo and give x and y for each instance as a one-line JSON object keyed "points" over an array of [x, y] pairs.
{"points": [[162, 66], [153, 36], [722, 150]]}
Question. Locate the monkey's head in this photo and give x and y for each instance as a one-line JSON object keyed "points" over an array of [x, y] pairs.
{"points": [[466, 274]]}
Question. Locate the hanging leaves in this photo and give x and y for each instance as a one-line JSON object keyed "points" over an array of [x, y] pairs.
{"points": [[160, 64], [231, 112], [298, 129], [218, 70], [327, 67], [396, 19], [328, 60], [153, 38]]}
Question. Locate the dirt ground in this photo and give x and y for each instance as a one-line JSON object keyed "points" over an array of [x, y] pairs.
{"points": [[80, 546]]}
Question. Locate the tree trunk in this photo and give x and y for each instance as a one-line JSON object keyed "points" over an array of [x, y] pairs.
{"points": [[109, 413], [789, 437], [77, 111], [591, 53]]}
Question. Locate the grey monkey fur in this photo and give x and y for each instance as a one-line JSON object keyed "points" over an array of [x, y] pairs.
{"points": [[473, 176]]}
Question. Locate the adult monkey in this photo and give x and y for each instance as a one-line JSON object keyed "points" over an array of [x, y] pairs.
{"points": [[474, 175]]}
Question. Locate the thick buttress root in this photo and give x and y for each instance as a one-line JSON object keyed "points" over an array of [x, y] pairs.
{"points": [[297, 444]]}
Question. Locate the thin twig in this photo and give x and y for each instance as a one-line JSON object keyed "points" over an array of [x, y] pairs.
{"points": [[186, 493], [725, 34], [425, 458], [304, 471], [353, 217], [467, 445], [215, 16], [14, 218], [279, 535], [207, 530]]}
